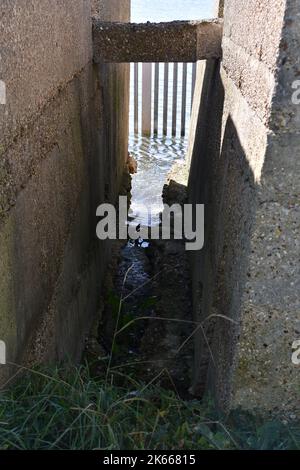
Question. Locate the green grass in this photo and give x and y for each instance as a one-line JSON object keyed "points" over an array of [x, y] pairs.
{"points": [[66, 408]]}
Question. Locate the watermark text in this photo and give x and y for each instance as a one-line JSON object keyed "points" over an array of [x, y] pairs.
{"points": [[178, 222], [2, 353]]}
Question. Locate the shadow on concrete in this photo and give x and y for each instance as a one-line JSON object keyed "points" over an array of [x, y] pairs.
{"points": [[220, 178]]}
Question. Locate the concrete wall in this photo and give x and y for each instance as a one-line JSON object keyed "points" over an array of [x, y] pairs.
{"points": [[175, 41], [59, 160], [245, 168], [114, 82]]}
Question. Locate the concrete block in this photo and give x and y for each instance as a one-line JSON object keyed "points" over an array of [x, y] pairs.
{"points": [[60, 159], [178, 41], [39, 56], [245, 168]]}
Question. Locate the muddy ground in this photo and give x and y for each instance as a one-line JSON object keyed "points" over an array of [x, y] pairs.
{"points": [[147, 300]]}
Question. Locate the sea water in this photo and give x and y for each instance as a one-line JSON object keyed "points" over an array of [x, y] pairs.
{"points": [[156, 155]]}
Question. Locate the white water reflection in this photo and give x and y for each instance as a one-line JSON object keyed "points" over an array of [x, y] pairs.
{"points": [[155, 157]]}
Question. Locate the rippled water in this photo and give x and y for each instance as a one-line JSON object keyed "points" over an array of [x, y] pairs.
{"points": [[156, 155]]}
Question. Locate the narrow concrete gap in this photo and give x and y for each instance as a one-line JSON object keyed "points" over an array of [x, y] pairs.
{"points": [[152, 275], [219, 325]]}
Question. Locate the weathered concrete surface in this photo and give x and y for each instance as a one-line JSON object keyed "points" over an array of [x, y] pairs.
{"points": [[177, 41], [23, 51], [114, 85], [59, 161], [251, 50], [245, 168], [115, 10], [262, 369], [219, 8]]}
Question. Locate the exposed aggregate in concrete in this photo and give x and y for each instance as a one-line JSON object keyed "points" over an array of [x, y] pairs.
{"points": [[177, 41]]}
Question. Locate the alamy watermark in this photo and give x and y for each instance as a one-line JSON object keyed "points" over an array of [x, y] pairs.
{"points": [[296, 93], [2, 353], [178, 222], [2, 92], [2, 102], [296, 353]]}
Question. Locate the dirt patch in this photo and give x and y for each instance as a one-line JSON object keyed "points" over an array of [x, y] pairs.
{"points": [[148, 303]]}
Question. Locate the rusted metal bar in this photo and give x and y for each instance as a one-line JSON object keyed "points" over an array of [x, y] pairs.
{"points": [[166, 99], [194, 74], [175, 93], [146, 99], [183, 100], [136, 98], [177, 41], [156, 97]]}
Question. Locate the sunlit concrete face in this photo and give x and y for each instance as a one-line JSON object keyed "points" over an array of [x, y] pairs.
{"points": [[60, 158], [248, 270]]}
